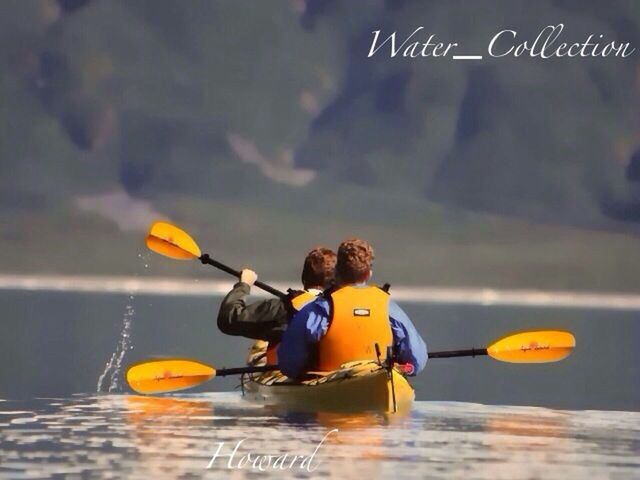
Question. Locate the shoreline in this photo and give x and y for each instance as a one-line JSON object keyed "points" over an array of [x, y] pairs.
{"points": [[172, 286]]}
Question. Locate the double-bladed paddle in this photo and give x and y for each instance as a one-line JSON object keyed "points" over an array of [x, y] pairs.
{"points": [[173, 242], [171, 375]]}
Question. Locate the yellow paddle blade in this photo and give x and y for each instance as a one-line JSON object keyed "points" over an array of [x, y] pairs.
{"points": [[167, 375], [171, 241], [534, 346]]}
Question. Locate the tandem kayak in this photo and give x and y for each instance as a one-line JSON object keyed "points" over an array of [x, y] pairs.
{"points": [[356, 387]]}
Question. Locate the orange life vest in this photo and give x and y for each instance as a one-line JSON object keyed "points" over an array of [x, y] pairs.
{"points": [[359, 320], [298, 302]]}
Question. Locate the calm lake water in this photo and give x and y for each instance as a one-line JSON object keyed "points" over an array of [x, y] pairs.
{"points": [[113, 436], [57, 344], [474, 418]]}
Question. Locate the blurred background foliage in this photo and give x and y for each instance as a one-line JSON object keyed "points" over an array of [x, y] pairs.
{"points": [[263, 129]]}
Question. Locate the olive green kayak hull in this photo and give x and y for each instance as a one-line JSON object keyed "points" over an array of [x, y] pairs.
{"points": [[362, 386], [354, 388]]}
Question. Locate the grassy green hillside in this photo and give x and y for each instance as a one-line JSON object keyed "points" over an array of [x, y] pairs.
{"points": [[416, 242], [266, 130]]}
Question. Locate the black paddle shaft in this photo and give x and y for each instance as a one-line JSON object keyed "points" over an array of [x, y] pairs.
{"points": [[225, 268], [240, 370], [472, 352]]}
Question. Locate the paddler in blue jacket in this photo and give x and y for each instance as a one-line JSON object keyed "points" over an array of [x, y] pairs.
{"points": [[347, 321]]}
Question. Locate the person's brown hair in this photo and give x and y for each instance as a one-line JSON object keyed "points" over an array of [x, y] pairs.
{"points": [[355, 259], [319, 268]]}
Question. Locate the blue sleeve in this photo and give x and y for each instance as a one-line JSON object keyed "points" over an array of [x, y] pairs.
{"points": [[306, 328], [410, 347]]}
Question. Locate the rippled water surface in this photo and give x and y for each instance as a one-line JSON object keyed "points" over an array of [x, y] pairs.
{"points": [[175, 437]]}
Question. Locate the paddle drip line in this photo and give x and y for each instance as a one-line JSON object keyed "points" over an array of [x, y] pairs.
{"points": [[113, 367]]}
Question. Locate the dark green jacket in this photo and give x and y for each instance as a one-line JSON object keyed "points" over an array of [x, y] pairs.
{"points": [[263, 320]]}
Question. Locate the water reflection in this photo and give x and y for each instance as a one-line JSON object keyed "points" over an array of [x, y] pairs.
{"points": [[169, 437], [141, 410], [167, 434]]}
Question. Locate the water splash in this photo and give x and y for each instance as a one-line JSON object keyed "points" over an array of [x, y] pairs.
{"points": [[110, 378], [112, 369]]}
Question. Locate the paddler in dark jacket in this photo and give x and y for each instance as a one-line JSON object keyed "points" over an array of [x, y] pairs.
{"points": [[346, 322], [268, 319]]}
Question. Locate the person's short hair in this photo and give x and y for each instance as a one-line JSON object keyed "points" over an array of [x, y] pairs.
{"points": [[319, 268], [355, 259]]}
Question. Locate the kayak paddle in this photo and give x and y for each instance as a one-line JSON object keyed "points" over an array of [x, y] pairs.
{"points": [[173, 242], [171, 375], [532, 346]]}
